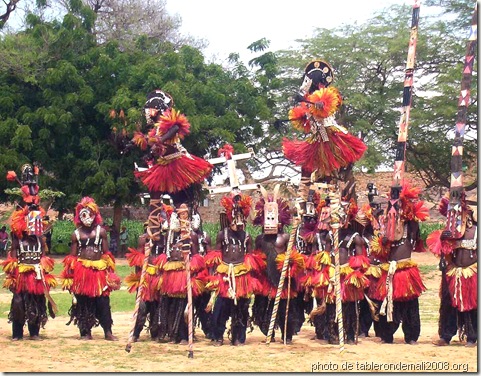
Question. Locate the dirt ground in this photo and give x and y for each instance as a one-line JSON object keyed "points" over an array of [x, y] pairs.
{"points": [[61, 350]]}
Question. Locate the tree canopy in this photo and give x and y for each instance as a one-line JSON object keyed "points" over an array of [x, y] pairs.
{"points": [[72, 93]]}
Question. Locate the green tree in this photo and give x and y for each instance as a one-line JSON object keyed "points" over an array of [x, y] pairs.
{"points": [[72, 105], [369, 62]]}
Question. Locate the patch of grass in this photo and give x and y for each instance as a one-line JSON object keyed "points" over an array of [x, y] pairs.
{"points": [[120, 301], [427, 269]]}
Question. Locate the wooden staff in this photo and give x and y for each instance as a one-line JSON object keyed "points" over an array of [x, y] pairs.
{"points": [[455, 212], [292, 237], [147, 249], [287, 303], [334, 204], [46, 292], [186, 253]]}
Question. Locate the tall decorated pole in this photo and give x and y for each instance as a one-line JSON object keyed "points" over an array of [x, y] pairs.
{"points": [[393, 209], [455, 222]]}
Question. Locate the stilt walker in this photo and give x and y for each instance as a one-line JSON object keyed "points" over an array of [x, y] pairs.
{"points": [[171, 170], [328, 152], [190, 314]]}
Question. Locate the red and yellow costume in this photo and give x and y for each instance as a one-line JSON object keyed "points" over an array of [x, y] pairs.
{"points": [[27, 268], [92, 278], [173, 168], [273, 214], [174, 278], [462, 281], [400, 283], [246, 284], [235, 269], [407, 282], [150, 292], [458, 292], [89, 272], [328, 146]]}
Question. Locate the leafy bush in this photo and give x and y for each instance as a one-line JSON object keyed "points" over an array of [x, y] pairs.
{"points": [[60, 249], [62, 232], [426, 228]]}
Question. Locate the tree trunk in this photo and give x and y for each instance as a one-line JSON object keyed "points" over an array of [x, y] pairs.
{"points": [[117, 219]]}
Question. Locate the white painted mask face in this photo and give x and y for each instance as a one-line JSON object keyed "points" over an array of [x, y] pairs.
{"points": [[86, 217], [174, 222], [195, 223], [238, 221], [271, 215]]}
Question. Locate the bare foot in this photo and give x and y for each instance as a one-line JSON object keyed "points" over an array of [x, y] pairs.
{"points": [[440, 342], [110, 337]]}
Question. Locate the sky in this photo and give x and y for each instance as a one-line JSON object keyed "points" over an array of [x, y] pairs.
{"points": [[231, 26]]}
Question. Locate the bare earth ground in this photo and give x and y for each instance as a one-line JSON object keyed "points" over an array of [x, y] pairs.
{"points": [[62, 351]]}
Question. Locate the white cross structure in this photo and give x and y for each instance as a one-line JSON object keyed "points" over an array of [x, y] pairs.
{"points": [[230, 163]]}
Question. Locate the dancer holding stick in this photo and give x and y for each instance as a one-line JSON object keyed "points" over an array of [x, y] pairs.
{"points": [[282, 278], [272, 212]]}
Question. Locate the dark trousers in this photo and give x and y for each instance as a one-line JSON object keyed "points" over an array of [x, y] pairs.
{"points": [[148, 311], [205, 318], [466, 322], [365, 318], [405, 314], [90, 312], [320, 323], [262, 312], [292, 318], [349, 320], [30, 309], [172, 320], [225, 308]]}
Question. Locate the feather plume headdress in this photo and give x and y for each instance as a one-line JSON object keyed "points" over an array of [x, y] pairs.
{"points": [[240, 201], [413, 209], [170, 118], [326, 100]]}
